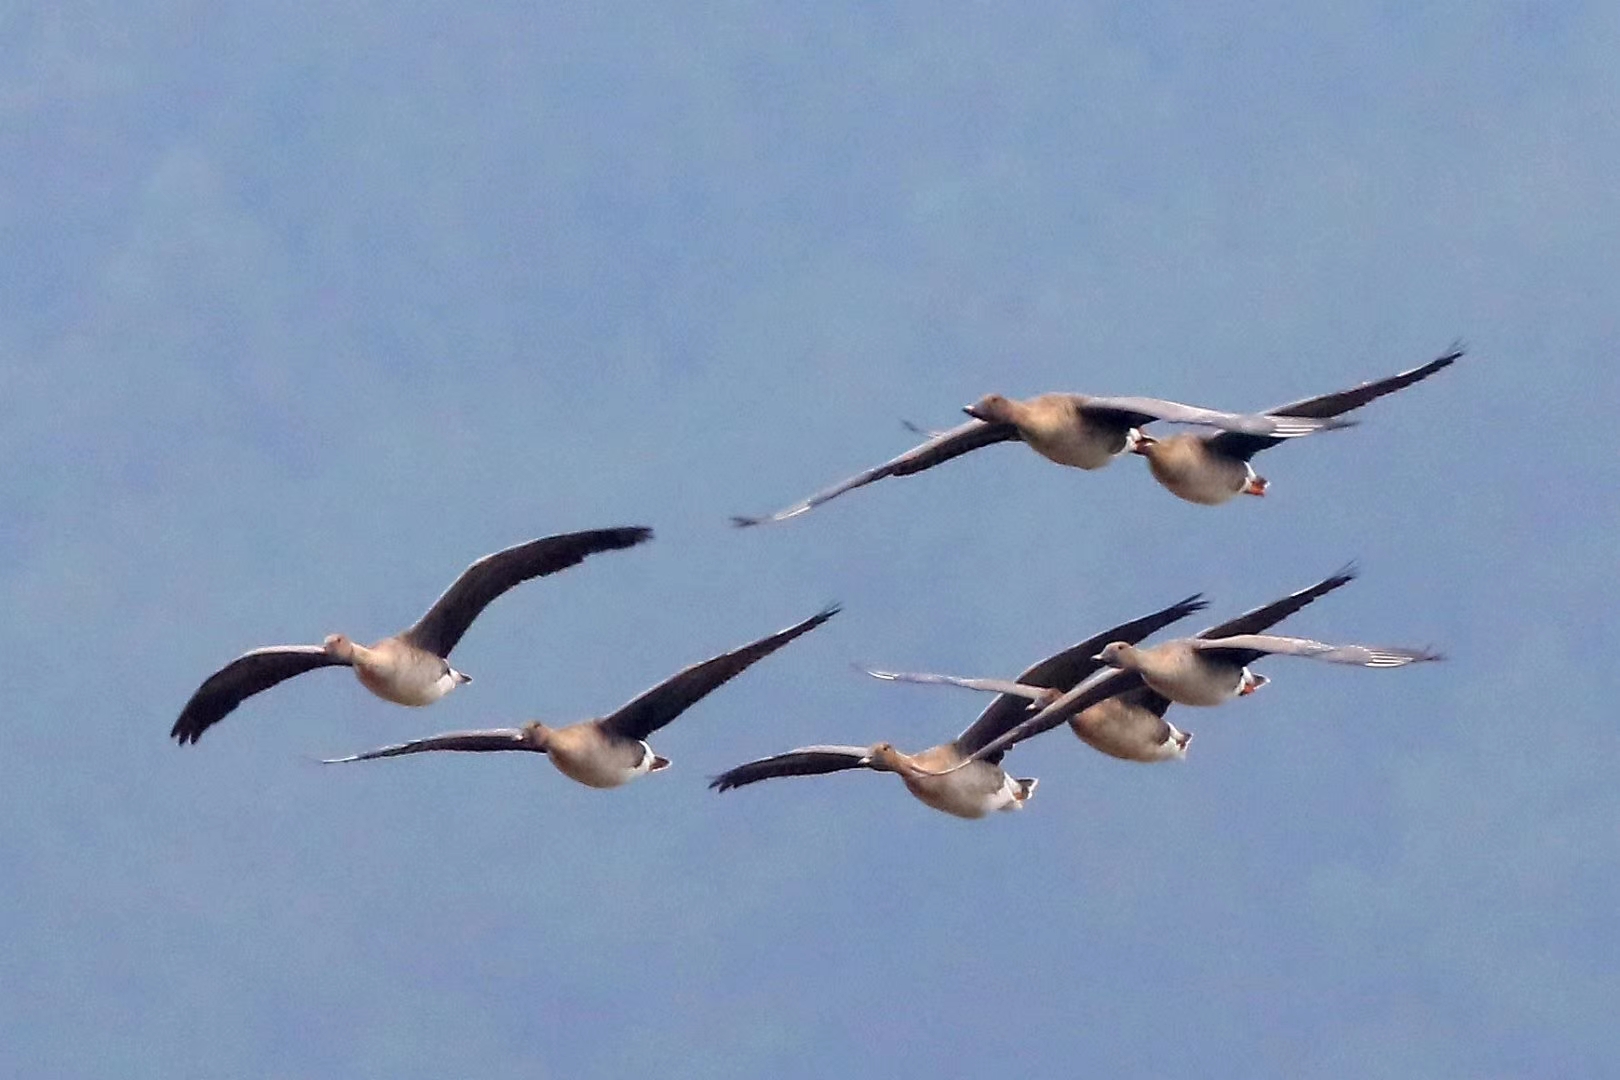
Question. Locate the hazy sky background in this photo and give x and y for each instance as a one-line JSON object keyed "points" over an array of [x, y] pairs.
{"points": [[306, 308]]}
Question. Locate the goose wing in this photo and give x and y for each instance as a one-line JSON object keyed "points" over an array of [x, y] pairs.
{"points": [[1243, 445], [805, 761], [1266, 616], [1242, 648], [1135, 411], [248, 674], [442, 626], [940, 448], [493, 739], [656, 707]]}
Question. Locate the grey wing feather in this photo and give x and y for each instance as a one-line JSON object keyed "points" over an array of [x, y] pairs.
{"points": [[1040, 694], [805, 761], [1268, 615], [941, 448], [248, 674], [1063, 671], [448, 619], [1141, 410], [664, 702], [495, 739], [1359, 655]]}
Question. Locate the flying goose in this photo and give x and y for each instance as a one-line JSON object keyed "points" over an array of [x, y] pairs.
{"points": [[1210, 469], [1130, 725], [1215, 670], [411, 667], [610, 750], [1070, 429], [946, 777]]}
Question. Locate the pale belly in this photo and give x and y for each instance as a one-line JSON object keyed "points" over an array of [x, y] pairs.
{"points": [[973, 792], [1128, 732], [599, 770], [1207, 483], [1197, 689], [1079, 448], [406, 688]]}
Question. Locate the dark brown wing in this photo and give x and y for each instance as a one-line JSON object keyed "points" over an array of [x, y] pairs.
{"points": [[240, 679], [1244, 446], [1268, 615], [942, 447], [479, 584], [473, 741], [664, 702], [1064, 671], [1357, 396], [805, 761]]}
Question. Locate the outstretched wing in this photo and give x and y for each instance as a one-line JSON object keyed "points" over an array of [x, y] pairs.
{"points": [[942, 447], [494, 739], [479, 584], [1268, 615], [805, 761], [664, 702], [1037, 694], [240, 679], [1243, 648], [1141, 410], [1245, 446], [1064, 670]]}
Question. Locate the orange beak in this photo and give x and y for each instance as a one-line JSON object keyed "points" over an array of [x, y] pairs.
{"points": [[1257, 486]]}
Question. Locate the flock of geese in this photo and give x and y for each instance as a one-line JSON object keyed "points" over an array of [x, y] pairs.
{"points": [[1112, 691]]}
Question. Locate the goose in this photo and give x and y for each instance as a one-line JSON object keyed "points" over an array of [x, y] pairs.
{"points": [[1216, 671], [1070, 429], [611, 750], [1210, 469], [411, 667], [1130, 725], [1213, 671], [957, 777]]}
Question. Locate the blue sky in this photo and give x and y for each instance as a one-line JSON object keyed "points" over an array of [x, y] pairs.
{"points": [[306, 309]]}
